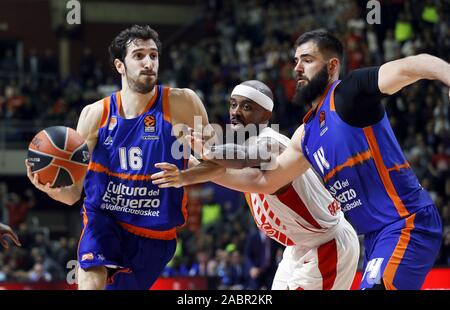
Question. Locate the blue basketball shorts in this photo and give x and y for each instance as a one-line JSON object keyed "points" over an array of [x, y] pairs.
{"points": [[402, 253], [133, 262]]}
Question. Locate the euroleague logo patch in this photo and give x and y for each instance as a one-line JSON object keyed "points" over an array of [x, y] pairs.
{"points": [[149, 123]]}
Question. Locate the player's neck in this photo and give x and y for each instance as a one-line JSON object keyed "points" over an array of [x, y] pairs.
{"points": [[134, 103], [319, 99], [316, 102]]}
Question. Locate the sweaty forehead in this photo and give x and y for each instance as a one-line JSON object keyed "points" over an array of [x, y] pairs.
{"points": [[141, 44], [242, 99], [308, 48]]}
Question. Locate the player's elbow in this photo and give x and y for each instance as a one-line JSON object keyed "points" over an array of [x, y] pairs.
{"points": [[74, 200], [71, 200], [74, 195], [263, 186]]}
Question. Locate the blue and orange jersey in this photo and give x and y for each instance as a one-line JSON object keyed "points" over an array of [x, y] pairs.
{"points": [[118, 178], [363, 168]]}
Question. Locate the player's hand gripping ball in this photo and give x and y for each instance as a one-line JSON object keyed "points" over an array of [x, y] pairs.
{"points": [[59, 156]]}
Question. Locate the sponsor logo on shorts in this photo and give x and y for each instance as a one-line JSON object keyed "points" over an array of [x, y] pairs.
{"points": [[87, 256]]}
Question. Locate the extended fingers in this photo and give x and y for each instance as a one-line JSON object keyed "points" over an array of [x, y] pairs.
{"points": [[161, 180], [166, 166], [3, 242], [11, 235]]}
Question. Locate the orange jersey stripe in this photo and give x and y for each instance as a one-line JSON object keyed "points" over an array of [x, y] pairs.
{"points": [[332, 107], [398, 167], [397, 255], [352, 161], [110, 279], [118, 102], [384, 173], [102, 169], [152, 100], [105, 113], [165, 104], [147, 107], [149, 233], [85, 221], [313, 110], [184, 205]]}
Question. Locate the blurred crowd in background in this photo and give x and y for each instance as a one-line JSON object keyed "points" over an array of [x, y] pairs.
{"points": [[241, 41]]}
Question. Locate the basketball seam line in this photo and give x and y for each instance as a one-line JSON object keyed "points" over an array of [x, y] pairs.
{"points": [[57, 173], [68, 172], [67, 138], [56, 176], [36, 171], [51, 141], [57, 157]]}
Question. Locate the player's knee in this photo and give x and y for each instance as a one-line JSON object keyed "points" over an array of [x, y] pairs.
{"points": [[92, 279]]}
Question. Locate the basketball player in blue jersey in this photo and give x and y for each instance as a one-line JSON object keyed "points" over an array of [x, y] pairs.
{"points": [[129, 224], [346, 137]]}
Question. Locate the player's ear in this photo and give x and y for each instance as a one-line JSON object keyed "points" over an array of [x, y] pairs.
{"points": [[120, 66], [333, 66]]}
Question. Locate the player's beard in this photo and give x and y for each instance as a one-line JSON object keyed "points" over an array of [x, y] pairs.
{"points": [[306, 94], [143, 84]]}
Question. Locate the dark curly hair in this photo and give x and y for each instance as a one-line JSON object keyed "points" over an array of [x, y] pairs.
{"points": [[118, 47]]}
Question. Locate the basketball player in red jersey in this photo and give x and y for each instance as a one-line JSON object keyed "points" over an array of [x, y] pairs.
{"points": [[322, 248], [129, 225], [347, 139]]}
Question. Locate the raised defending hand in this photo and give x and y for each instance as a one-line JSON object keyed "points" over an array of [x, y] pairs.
{"points": [[6, 231], [170, 176], [198, 144]]}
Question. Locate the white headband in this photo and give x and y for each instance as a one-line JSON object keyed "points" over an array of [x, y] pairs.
{"points": [[254, 95]]}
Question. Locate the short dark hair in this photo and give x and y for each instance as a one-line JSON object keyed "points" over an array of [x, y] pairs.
{"points": [[327, 43], [260, 86], [118, 47]]}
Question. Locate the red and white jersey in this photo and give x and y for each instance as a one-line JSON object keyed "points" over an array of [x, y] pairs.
{"points": [[305, 214]]}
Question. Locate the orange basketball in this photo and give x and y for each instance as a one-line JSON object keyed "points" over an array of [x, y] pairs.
{"points": [[59, 155]]}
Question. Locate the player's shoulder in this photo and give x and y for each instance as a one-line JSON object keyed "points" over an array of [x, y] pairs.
{"points": [[300, 131], [181, 94], [184, 102], [93, 113], [95, 107]]}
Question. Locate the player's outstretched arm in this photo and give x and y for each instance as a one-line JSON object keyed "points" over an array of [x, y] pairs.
{"points": [[198, 172], [87, 127], [235, 156], [6, 231], [395, 75], [288, 166]]}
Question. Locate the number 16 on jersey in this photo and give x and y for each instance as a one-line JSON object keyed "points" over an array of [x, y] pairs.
{"points": [[131, 159]]}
